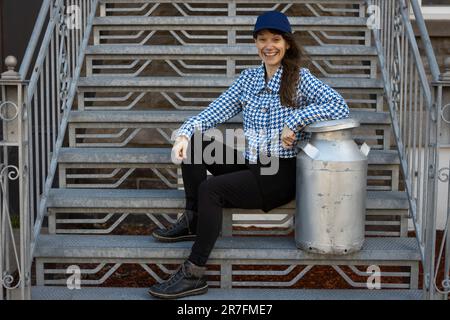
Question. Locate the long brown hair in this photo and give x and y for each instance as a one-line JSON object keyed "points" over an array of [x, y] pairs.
{"points": [[291, 63]]}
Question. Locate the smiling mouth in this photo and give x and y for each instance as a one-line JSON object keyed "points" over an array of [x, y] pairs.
{"points": [[266, 54]]}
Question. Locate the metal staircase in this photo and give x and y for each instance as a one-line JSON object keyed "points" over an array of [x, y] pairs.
{"points": [[148, 66]]}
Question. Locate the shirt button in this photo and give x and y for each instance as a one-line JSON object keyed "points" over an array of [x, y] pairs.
{"points": [[253, 151], [261, 132], [268, 90], [264, 110]]}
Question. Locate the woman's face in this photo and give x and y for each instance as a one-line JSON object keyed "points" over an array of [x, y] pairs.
{"points": [[271, 48]]}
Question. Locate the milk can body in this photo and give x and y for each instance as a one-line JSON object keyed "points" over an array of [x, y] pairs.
{"points": [[331, 190]]}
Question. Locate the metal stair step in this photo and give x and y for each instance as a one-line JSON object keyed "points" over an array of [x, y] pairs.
{"points": [[228, 248], [99, 293], [170, 198], [136, 83], [222, 22], [219, 50], [163, 156], [247, 2], [138, 116], [174, 117], [355, 2]]}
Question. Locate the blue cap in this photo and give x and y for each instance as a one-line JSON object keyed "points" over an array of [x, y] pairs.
{"points": [[273, 20]]}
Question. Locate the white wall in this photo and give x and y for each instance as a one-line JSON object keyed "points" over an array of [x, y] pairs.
{"points": [[434, 12], [441, 218], [444, 158]]}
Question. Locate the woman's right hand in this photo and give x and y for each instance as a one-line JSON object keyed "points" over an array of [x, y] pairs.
{"points": [[179, 149]]}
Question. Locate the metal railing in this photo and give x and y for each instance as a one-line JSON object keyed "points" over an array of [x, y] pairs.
{"points": [[34, 113], [415, 105]]}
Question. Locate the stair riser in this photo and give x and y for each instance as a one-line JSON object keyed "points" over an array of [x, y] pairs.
{"points": [[126, 134], [195, 65], [227, 275], [195, 98], [167, 175], [157, 35], [236, 222], [345, 8]]}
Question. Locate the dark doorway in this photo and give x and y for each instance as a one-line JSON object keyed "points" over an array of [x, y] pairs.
{"points": [[17, 18]]}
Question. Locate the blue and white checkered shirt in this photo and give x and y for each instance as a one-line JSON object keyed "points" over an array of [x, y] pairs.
{"points": [[263, 115]]}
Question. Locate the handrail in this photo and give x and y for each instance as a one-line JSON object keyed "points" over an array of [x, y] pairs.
{"points": [[434, 67], [34, 39], [417, 57]]}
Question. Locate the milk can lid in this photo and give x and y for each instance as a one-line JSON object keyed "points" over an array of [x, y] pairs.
{"points": [[333, 125]]}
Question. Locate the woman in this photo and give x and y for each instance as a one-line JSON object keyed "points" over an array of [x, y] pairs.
{"points": [[278, 99]]}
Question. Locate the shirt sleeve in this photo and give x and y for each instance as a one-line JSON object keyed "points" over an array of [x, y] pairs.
{"points": [[323, 103], [226, 106]]}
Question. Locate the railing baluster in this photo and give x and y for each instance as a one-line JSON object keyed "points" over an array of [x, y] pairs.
{"points": [[410, 120], [415, 131], [47, 109], [425, 173], [420, 171], [58, 73], [41, 129]]}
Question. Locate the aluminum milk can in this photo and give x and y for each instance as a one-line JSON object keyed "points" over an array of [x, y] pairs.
{"points": [[331, 189]]}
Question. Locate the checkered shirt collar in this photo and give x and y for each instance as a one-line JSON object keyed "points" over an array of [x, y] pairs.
{"points": [[274, 83]]}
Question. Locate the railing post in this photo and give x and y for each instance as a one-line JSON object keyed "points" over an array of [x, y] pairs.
{"points": [[15, 260], [443, 89], [430, 232]]}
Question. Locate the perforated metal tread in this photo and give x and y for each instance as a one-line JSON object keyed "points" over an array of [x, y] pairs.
{"points": [[96, 293], [157, 198], [229, 248], [165, 116], [221, 50], [163, 155], [126, 82], [247, 22]]}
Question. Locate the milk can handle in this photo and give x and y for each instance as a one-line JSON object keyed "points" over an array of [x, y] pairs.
{"points": [[314, 153], [309, 150], [365, 149]]}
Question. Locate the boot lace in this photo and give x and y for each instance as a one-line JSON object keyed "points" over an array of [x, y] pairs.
{"points": [[177, 276], [175, 225]]}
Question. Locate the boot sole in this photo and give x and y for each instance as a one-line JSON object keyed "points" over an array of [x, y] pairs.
{"points": [[176, 239], [193, 292]]}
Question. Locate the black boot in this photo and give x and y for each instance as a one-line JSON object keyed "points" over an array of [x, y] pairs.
{"points": [[189, 280], [182, 230]]}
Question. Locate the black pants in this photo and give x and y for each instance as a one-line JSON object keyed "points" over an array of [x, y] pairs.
{"points": [[232, 185]]}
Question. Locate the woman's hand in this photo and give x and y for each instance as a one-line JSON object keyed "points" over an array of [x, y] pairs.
{"points": [[287, 138], [179, 149]]}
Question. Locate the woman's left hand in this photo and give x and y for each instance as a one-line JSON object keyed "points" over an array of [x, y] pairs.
{"points": [[287, 138]]}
